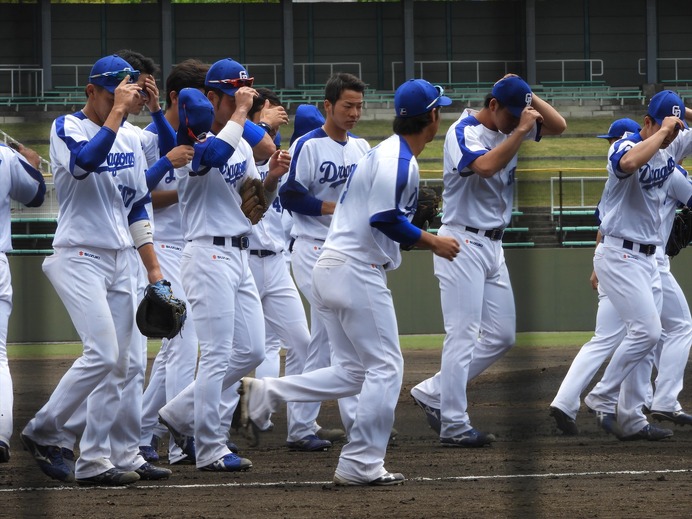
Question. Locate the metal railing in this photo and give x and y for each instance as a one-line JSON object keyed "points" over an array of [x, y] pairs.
{"points": [[453, 68], [676, 68], [48, 210], [579, 198], [590, 62], [18, 73]]}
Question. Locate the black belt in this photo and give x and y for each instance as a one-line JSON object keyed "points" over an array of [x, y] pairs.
{"points": [[642, 248], [262, 253], [242, 242], [493, 234]]}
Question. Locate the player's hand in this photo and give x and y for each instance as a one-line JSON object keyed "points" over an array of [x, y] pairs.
{"points": [[127, 97], [30, 155], [274, 116], [244, 97], [529, 117], [181, 155], [445, 246], [672, 125], [279, 163], [594, 280], [151, 94]]}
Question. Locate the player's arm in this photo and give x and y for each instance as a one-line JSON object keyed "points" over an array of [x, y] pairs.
{"points": [[161, 199], [400, 230], [27, 185], [293, 194], [143, 238], [260, 141], [636, 156], [488, 163], [175, 158], [552, 122]]}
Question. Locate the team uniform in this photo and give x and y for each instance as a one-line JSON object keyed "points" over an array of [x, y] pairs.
{"points": [[225, 305], [94, 271], [320, 167], [22, 182], [628, 271], [352, 299], [125, 433], [671, 351], [477, 299]]}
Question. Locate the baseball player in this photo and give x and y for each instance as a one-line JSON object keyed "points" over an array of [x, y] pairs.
{"points": [[216, 277], [480, 159], [98, 167], [371, 220], [321, 162], [610, 329], [628, 271], [20, 180], [125, 433]]}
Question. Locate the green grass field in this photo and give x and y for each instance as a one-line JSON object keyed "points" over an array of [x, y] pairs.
{"points": [[412, 342]]}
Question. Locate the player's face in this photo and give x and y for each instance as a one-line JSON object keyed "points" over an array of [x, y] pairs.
{"points": [[505, 121], [101, 101], [224, 107], [346, 112]]}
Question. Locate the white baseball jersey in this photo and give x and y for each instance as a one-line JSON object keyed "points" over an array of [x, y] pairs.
{"points": [[469, 199], [385, 182], [633, 205], [210, 199], [96, 206], [18, 181], [320, 166]]}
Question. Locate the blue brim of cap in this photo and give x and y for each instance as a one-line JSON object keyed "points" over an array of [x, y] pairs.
{"points": [[605, 136], [516, 111], [444, 101]]}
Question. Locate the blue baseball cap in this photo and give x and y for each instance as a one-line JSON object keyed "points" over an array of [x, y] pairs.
{"points": [[195, 114], [666, 103], [228, 76], [417, 96], [513, 93], [620, 127], [307, 118], [109, 71]]}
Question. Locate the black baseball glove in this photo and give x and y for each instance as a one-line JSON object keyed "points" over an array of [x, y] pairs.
{"points": [[681, 233], [427, 209], [160, 314], [253, 201]]}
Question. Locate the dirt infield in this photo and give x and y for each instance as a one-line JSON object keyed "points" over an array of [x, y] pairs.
{"points": [[529, 472]]}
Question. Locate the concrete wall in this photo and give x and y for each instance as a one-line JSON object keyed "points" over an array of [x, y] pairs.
{"points": [[551, 291]]}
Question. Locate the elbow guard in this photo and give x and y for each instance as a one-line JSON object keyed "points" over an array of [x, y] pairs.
{"points": [[142, 233]]}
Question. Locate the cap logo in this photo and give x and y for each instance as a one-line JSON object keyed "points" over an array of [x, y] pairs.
{"points": [[402, 111], [676, 111], [242, 74], [528, 98]]}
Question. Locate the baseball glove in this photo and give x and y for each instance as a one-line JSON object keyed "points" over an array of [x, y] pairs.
{"points": [[160, 314], [427, 209], [681, 233], [253, 201]]}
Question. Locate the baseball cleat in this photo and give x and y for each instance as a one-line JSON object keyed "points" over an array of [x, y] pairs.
{"points": [[232, 447], [151, 472], [185, 442], [387, 479], [310, 443], [470, 438], [111, 478], [331, 435], [432, 415], [677, 417], [649, 432], [607, 421], [68, 457], [49, 459], [148, 453], [565, 423], [251, 430], [4, 452], [229, 463]]}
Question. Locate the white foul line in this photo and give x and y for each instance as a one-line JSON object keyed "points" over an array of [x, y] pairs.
{"points": [[321, 483]]}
